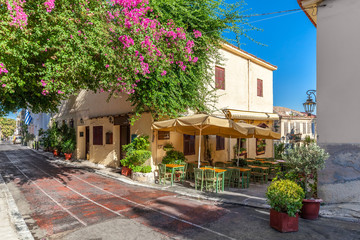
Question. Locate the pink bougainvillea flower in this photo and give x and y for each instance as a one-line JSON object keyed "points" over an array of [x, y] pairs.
{"points": [[107, 65], [163, 73]]}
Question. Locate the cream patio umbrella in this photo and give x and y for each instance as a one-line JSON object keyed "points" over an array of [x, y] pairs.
{"points": [[259, 132], [202, 124]]}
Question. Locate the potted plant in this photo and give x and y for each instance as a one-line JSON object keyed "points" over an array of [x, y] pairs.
{"points": [[68, 147], [136, 154], [304, 161], [285, 198], [172, 156]]}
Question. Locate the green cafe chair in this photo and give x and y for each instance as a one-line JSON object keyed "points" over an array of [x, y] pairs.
{"points": [[199, 178], [210, 180], [163, 175]]}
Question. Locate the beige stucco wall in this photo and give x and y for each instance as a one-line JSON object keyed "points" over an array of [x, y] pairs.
{"points": [[241, 85], [338, 86]]}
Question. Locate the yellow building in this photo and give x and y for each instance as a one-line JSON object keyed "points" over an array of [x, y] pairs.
{"points": [[244, 86]]}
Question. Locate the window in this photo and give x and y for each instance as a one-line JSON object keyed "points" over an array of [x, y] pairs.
{"points": [[220, 78], [163, 135], [286, 125], [309, 128], [220, 143], [109, 138], [259, 88], [297, 127], [304, 128], [98, 135], [260, 146], [189, 144]]}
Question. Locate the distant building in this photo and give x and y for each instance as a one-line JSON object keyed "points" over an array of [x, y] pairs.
{"points": [[294, 125]]}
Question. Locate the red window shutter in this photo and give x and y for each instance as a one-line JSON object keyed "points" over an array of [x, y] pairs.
{"points": [[259, 88], [219, 78], [97, 135]]}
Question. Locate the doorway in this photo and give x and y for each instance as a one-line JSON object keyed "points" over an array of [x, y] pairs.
{"points": [[87, 142], [124, 138]]}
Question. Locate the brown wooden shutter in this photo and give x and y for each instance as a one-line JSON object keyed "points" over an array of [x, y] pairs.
{"points": [[189, 144], [220, 143], [219, 78], [97, 135], [259, 88]]}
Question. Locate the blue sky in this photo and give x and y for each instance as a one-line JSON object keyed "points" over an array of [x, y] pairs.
{"points": [[291, 46]]}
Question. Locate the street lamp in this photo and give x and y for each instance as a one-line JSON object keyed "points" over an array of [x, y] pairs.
{"points": [[310, 105]]}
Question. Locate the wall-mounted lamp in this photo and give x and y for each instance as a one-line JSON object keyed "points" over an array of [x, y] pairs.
{"points": [[81, 121], [111, 120]]}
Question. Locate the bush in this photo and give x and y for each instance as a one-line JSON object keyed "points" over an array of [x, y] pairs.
{"points": [[68, 146], [142, 169], [137, 154], [285, 196], [172, 156], [304, 161]]}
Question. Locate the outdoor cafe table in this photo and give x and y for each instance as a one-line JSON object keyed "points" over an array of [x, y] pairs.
{"points": [[218, 172], [263, 169], [174, 167], [243, 171]]}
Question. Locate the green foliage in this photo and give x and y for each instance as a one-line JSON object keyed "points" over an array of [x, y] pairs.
{"points": [[168, 147], [172, 156], [142, 169], [137, 153], [305, 160], [285, 196], [308, 140], [51, 49], [279, 149], [7, 126], [68, 146]]}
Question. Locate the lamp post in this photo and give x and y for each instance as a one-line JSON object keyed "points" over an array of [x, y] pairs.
{"points": [[309, 107]]}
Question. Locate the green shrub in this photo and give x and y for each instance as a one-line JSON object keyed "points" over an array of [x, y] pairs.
{"points": [[68, 146], [137, 154], [142, 169], [304, 161], [285, 196], [172, 156]]}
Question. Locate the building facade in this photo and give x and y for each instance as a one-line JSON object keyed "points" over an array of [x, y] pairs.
{"points": [[338, 99], [294, 125], [244, 86]]}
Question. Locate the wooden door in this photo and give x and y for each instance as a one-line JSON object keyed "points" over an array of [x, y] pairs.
{"points": [[87, 141], [124, 138]]}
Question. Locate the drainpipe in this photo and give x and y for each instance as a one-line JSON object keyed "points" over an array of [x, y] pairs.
{"points": [[248, 84]]}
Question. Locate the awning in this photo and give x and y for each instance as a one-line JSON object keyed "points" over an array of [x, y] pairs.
{"points": [[246, 115]]}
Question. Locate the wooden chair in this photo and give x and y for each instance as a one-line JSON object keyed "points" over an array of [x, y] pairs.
{"points": [[210, 180], [199, 178], [163, 175], [181, 174]]}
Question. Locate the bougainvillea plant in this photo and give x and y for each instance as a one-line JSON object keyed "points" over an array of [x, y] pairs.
{"points": [[157, 53]]}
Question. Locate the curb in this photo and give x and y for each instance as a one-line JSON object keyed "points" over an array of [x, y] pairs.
{"points": [[16, 218]]}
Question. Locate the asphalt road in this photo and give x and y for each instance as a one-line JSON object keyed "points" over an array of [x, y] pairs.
{"points": [[60, 202]]}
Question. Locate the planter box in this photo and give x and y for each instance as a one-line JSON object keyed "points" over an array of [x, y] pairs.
{"points": [[310, 208], [283, 222], [126, 171], [143, 177]]}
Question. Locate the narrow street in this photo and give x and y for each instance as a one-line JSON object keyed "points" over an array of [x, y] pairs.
{"points": [[60, 202]]}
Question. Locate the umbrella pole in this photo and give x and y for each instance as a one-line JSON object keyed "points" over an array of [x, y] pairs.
{"points": [[199, 149], [238, 151]]}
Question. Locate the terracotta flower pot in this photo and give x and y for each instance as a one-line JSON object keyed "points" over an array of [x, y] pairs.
{"points": [[68, 156], [126, 171], [310, 208], [56, 153], [283, 222]]}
